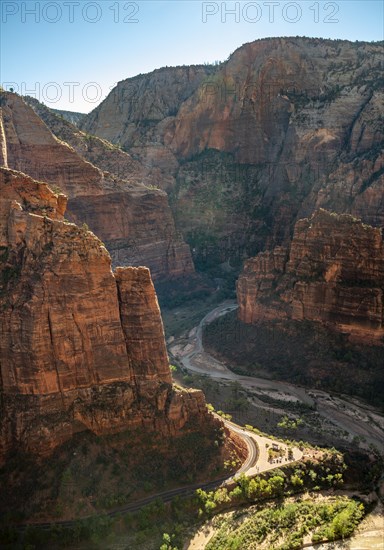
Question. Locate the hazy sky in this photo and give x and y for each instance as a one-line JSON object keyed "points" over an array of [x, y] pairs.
{"points": [[69, 54]]}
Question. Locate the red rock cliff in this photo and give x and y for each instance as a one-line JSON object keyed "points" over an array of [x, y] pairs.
{"points": [[333, 272], [80, 348], [282, 128], [137, 113], [134, 221]]}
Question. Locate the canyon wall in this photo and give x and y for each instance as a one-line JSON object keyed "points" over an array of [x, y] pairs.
{"points": [[103, 184], [137, 114], [282, 128], [81, 348], [332, 272]]}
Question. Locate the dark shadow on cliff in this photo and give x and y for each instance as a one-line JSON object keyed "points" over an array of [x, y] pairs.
{"points": [[92, 474], [304, 353]]}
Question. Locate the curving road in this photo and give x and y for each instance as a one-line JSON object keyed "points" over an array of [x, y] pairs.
{"points": [[248, 466], [252, 446], [257, 460], [251, 466], [348, 413]]}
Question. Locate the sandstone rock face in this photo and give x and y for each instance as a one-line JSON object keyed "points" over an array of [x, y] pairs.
{"points": [[254, 106], [284, 127], [80, 347], [256, 281], [145, 98], [32, 149], [138, 112], [118, 165], [133, 220], [333, 272], [138, 229], [142, 325]]}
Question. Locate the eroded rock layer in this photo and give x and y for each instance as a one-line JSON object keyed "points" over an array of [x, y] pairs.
{"points": [[80, 347], [138, 114], [333, 272], [103, 185], [282, 128]]}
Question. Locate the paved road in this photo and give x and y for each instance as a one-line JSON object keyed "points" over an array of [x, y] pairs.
{"points": [[165, 496], [252, 446], [257, 460], [348, 413], [249, 467]]}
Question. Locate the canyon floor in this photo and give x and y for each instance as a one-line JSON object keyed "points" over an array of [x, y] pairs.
{"points": [[342, 418], [339, 417]]}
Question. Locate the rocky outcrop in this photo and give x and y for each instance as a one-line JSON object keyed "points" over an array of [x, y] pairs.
{"points": [[145, 99], [333, 272], [137, 114], [103, 186], [142, 326], [137, 229], [32, 149], [80, 347], [282, 128], [109, 158], [256, 284]]}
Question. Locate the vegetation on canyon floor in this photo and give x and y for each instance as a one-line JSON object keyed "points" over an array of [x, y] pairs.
{"points": [[275, 507], [94, 474], [278, 500], [283, 526]]}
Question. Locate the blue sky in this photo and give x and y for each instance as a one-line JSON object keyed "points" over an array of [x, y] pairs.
{"points": [[70, 53]]}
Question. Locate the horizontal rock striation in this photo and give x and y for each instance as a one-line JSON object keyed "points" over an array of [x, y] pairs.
{"points": [[138, 115], [103, 185], [137, 229], [282, 128], [80, 347], [333, 272], [256, 284], [118, 165]]}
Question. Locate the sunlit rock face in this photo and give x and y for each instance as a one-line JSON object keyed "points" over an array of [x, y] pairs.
{"points": [[332, 272], [282, 128], [103, 184], [81, 348], [139, 112]]}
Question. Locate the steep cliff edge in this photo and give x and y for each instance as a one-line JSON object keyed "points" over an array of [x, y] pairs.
{"points": [[333, 272], [80, 348], [103, 185], [104, 155], [137, 114], [282, 128], [285, 126]]}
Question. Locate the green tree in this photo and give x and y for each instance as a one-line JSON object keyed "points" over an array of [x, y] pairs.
{"points": [[210, 505], [221, 496], [167, 542], [277, 485], [296, 481]]}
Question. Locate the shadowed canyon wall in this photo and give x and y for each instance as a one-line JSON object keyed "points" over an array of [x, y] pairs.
{"points": [[81, 348], [282, 128]]}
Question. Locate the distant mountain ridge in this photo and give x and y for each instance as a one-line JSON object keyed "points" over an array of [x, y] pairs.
{"points": [[245, 149], [70, 116]]}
